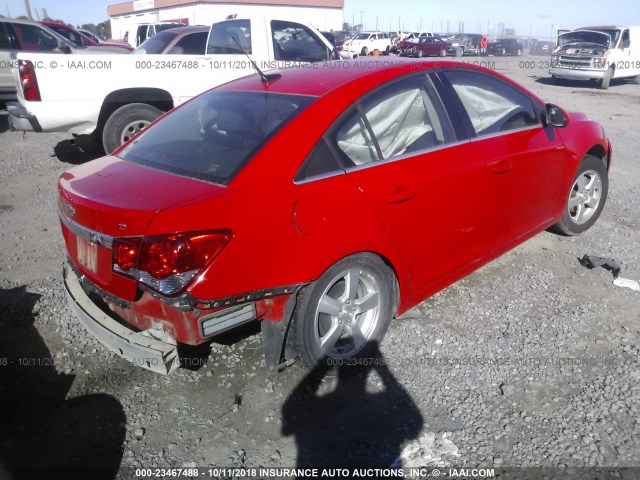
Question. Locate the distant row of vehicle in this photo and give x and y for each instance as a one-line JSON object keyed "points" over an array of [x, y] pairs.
{"points": [[420, 44]]}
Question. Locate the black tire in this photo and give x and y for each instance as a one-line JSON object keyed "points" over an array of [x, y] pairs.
{"points": [[503, 52], [387, 50], [443, 52], [125, 122], [364, 51], [606, 80], [419, 53], [582, 209], [519, 52], [353, 329]]}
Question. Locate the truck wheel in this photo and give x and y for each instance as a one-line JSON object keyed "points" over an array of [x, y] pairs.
{"points": [[125, 122], [604, 83], [586, 198], [343, 311], [364, 51]]}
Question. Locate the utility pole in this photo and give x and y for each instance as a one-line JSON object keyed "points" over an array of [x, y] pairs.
{"points": [[361, 25], [28, 8], [8, 11]]}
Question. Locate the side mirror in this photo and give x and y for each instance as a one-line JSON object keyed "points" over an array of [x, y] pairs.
{"points": [[555, 116]]}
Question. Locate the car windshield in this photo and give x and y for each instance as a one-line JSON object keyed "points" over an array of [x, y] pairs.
{"points": [[156, 44], [213, 136], [599, 37]]}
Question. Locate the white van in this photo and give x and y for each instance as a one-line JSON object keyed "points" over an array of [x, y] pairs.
{"points": [[142, 31], [597, 53]]}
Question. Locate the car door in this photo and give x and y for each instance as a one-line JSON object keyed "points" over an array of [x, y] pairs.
{"points": [[427, 191], [524, 160]]}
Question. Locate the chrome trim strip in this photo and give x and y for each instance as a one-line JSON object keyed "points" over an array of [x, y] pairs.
{"points": [[89, 235]]}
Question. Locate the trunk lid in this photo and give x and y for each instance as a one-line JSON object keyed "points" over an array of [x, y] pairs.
{"points": [[110, 198]]}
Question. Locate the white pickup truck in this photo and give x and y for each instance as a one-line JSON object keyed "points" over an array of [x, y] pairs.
{"points": [[114, 97], [598, 54]]}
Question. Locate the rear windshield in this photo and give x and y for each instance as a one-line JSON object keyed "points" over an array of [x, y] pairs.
{"points": [[156, 44], [213, 136]]}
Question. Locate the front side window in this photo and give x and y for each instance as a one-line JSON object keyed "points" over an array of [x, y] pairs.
{"points": [[213, 136], [296, 43], [492, 105], [36, 39], [230, 37]]}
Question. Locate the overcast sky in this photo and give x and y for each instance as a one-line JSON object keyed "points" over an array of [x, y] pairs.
{"points": [[534, 17]]}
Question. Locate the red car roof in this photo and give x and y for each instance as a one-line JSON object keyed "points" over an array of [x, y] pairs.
{"points": [[320, 78]]}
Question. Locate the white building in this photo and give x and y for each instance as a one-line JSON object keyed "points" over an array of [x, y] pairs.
{"points": [[325, 15]]}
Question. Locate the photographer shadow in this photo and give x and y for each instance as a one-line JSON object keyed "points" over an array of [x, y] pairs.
{"points": [[43, 434], [360, 423]]}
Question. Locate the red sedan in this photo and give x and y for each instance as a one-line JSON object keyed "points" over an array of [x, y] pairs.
{"points": [[424, 47], [322, 202]]}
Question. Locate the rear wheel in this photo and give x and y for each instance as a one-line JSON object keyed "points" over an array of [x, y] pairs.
{"points": [[586, 198], [519, 52], [341, 313], [126, 122], [503, 52], [364, 51]]}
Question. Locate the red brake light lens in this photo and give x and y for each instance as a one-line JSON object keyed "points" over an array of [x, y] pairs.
{"points": [[28, 81], [167, 263]]}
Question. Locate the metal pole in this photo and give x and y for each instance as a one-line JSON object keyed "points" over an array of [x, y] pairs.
{"points": [[28, 8]]}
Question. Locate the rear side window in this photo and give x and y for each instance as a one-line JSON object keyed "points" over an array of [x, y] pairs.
{"points": [[192, 44], [5, 41], [230, 37], [402, 119], [492, 105], [214, 135]]}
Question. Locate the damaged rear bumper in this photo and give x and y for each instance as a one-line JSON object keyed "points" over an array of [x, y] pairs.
{"points": [[155, 355]]}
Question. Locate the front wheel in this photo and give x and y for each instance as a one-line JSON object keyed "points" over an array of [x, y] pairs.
{"points": [[586, 198], [339, 315], [126, 122], [519, 52], [364, 51], [419, 53], [443, 52], [604, 83]]}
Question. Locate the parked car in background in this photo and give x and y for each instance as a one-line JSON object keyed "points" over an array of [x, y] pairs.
{"points": [[505, 46], [81, 40], [142, 31], [150, 267], [113, 104], [424, 47], [177, 41], [26, 36], [365, 43], [541, 48], [99, 39], [598, 54]]}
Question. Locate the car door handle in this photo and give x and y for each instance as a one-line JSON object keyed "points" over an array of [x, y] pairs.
{"points": [[401, 194], [500, 167]]}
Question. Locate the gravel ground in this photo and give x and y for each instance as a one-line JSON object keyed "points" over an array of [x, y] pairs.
{"points": [[530, 361]]}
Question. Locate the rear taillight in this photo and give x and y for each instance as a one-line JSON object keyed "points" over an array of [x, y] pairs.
{"points": [[167, 263], [28, 81]]}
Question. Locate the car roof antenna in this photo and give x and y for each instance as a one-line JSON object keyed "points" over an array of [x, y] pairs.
{"points": [[263, 77]]}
